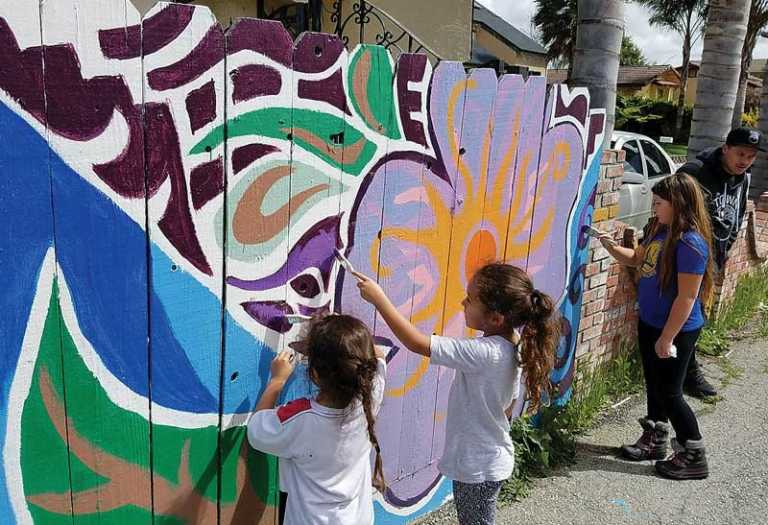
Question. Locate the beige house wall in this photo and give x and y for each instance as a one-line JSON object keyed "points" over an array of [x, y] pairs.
{"points": [[443, 27], [509, 55]]}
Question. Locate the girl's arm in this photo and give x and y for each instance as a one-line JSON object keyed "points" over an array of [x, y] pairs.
{"points": [[403, 329], [687, 291], [282, 367], [625, 256]]}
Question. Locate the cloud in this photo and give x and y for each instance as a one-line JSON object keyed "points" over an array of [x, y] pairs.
{"points": [[659, 46]]}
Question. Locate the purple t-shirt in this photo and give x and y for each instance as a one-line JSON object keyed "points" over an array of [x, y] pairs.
{"points": [[655, 304]]}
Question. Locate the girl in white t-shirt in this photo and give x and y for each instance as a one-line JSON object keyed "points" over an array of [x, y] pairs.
{"points": [[324, 443], [478, 452]]}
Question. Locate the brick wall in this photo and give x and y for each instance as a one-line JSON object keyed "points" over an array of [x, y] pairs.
{"points": [[609, 309]]}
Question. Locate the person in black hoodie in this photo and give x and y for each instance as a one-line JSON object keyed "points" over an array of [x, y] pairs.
{"points": [[723, 173]]}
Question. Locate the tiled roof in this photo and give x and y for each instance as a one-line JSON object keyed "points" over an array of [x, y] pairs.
{"points": [[628, 75]]}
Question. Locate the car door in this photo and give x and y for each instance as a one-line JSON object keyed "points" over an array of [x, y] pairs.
{"points": [[634, 190]]}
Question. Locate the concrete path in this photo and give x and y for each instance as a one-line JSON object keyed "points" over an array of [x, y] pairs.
{"points": [[601, 489]]}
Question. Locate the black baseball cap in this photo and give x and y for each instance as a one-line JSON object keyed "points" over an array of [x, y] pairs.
{"points": [[745, 136]]}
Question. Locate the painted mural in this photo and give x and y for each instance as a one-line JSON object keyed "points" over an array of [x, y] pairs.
{"points": [[170, 191]]}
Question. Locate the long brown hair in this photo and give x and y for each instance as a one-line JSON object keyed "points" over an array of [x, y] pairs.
{"points": [[689, 214], [508, 290], [342, 362]]}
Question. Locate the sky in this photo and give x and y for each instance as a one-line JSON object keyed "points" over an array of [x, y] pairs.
{"points": [[658, 46]]}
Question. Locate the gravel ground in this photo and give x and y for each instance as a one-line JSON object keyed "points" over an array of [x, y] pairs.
{"points": [[602, 489]]}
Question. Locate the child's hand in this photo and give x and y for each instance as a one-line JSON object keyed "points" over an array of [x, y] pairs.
{"points": [[282, 366], [370, 289], [607, 240]]}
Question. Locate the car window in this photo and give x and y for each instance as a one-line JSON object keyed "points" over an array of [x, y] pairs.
{"points": [[633, 161], [654, 160]]}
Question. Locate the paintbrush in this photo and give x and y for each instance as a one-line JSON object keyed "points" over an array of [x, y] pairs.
{"points": [[344, 261], [297, 318]]}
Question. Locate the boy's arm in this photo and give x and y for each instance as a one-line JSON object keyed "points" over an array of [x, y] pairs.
{"points": [[409, 335]]}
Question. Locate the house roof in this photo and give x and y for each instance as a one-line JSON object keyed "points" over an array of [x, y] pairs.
{"points": [[506, 31], [752, 80], [628, 75]]}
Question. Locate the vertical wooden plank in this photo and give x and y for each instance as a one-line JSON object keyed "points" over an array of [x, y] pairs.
{"points": [[182, 51], [417, 390], [525, 173], [33, 439], [560, 173], [101, 260], [470, 146], [259, 99], [507, 129], [373, 94], [324, 152]]}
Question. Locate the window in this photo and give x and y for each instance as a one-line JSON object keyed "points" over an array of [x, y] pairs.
{"points": [[633, 162], [655, 162]]}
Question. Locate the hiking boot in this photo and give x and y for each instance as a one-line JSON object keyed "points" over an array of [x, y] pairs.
{"points": [[691, 463], [695, 384], [652, 443]]}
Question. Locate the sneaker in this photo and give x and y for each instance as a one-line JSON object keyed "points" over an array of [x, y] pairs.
{"points": [[652, 443], [696, 385], [691, 463]]}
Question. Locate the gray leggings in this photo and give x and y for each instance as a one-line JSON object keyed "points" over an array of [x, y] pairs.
{"points": [[476, 502]]}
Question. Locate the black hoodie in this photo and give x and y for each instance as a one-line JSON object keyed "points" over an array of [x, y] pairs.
{"points": [[726, 196]]}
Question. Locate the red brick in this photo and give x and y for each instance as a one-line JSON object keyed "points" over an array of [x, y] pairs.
{"points": [[597, 280], [610, 156], [610, 199], [604, 186], [600, 254], [592, 269], [612, 281], [612, 172], [594, 307], [591, 333]]}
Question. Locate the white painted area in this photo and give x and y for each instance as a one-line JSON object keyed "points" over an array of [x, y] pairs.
{"points": [[20, 386]]}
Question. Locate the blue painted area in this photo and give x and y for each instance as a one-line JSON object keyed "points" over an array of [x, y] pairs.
{"points": [[441, 495], [572, 310], [25, 236]]}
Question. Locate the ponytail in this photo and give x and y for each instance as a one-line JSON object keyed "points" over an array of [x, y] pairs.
{"points": [[538, 345], [508, 290]]}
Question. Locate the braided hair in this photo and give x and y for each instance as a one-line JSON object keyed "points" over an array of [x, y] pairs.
{"points": [[342, 362]]}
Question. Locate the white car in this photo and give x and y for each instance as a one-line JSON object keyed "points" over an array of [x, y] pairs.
{"points": [[646, 163]]}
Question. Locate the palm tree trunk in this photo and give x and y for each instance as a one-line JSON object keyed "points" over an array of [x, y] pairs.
{"points": [[760, 169], [741, 99], [596, 58], [683, 85], [719, 74]]}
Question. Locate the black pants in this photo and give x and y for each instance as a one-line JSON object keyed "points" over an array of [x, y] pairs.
{"points": [[281, 507], [664, 381]]}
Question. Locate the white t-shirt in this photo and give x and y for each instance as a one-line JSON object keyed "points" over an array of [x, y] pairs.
{"points": [[325, 458], [477, 443]]}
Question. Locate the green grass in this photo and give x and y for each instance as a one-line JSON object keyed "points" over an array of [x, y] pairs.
{"points": [[750, 302], [675, 149], [548, 441]]}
